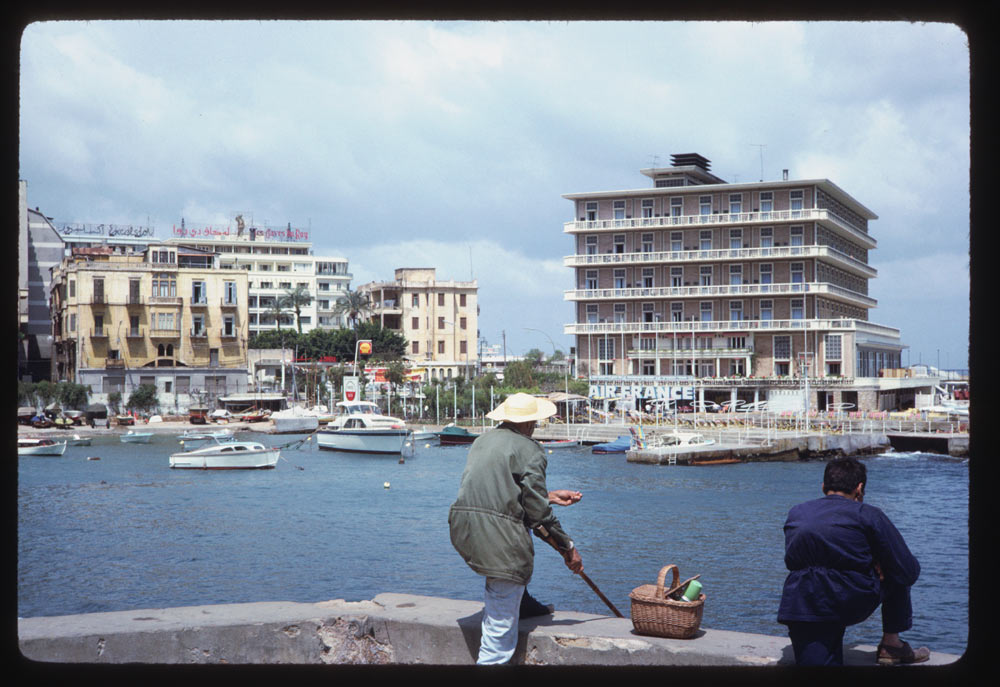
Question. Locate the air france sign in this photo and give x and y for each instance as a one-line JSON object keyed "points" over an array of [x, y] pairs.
{"points": [[647, 392]]}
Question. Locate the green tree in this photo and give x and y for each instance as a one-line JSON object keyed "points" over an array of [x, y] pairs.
{"points": [[355, 305], [534, 356], [294, 300], [143, 398], [73, 396], [46, 392], [519, 374]]}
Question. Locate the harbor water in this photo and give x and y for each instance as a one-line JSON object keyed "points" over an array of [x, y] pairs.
{"points": [[127, 532]]}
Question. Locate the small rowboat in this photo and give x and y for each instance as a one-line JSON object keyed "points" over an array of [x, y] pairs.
{"points": [[40, 447], [132, 437], [559, 443]]}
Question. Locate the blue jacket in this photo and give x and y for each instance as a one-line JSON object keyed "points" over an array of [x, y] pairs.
{"points": [[831, 546]]}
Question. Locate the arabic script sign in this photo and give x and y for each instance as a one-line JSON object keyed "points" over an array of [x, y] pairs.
{"points": [[81, 229], [259, 233]]}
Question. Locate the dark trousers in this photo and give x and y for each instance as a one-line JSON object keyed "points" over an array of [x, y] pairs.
{"points": [[822, 644]]}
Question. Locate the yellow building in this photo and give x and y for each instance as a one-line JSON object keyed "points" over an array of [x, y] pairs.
{"points": [[440, 319], [162, 314]]}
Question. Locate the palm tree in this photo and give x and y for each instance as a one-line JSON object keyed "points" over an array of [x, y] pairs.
{"points": [[296, 299], [276, 308], [354, 304]]}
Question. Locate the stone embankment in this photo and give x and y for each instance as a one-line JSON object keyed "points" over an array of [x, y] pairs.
{"points": [[391, 629]]}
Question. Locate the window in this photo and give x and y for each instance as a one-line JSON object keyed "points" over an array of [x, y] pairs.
{"points": [[165, 320], [767, 310], [782, 348], [737, 342], [72, 322], [619, 209], [832, 346], [99, 325], [677, 276], [440, 299], [735, 275], [735, 238], [183, 384], [795, 236], [766, 274], [440, 346], [735, 203], [461, 300], [72, 288], [98, 289], [795, 202], [228, 326], [197, 325], [705, 275], [591, 210], [706, 311], [592, 314], [461, 323], [619, 279], [676, 312], [414, 323], [735, 311], [199, 293], [766, 204], [230, 291], [705, 240], [676, 241], [133, 328], [619, 240], [797, 273], [415, 347], [284, 285], [590, 245], [676, 207], [704, 206], [647, 277], [619, 313], [440, 323], [648, 314], [647, 207], [766, 237], [647, 243], [463, 347], [798, 309], [415, 301], [591, 277], [605, 348]]}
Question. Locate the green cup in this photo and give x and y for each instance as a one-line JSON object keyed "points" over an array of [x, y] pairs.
{"points": [[692, 592]]}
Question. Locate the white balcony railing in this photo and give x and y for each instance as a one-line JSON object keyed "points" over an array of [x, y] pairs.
{"points": [[723, 291], [741, 326], [827, 217], [699, 256]]}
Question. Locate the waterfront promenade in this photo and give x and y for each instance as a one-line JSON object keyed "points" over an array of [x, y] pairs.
{"points": [[390, 629]]}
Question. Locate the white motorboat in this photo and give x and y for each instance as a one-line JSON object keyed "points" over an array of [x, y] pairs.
{"points": [[78, 440], [679, 440], [192, 438], [361, 428], [133, 437], [40, 447], [228, 455], [559, 443], [294, 420]]}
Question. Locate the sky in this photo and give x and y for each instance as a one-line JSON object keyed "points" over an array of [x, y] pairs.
{"points": [[449, 144]]}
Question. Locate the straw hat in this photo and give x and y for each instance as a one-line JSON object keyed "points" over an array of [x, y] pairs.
{"points": [[522, 408]]}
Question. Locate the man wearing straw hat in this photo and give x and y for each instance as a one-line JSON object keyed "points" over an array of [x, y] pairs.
{"points": [[501, 499]]}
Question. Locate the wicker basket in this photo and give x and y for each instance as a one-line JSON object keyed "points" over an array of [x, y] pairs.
{"points": [[654, 613]]}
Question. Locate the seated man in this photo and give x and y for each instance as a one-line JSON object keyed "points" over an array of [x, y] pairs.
{"points": [[845, 559]]}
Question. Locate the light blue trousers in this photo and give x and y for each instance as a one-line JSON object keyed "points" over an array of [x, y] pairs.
{"points": [[501, 609]]}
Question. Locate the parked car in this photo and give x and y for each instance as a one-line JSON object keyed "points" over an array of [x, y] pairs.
{"points": [[707, 407]]}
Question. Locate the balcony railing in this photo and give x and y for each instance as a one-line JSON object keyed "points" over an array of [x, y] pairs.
{"points": [[699, 256], [688, 353], [724, 291], [741, 326], [166, 300], [229, 302], [114, 363], [165, 333], [134, 333], [824, 215], [198, 302], [99, 333]]}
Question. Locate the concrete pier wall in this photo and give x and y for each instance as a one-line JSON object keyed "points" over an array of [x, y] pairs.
{"points": [[391, 629]]}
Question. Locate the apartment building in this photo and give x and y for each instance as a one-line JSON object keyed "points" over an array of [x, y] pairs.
{"points": [[276, 261], [160, 314], [440, 320], [695, 287]]}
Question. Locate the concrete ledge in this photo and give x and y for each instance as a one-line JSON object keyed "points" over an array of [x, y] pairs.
{"points": [[400, 629]]}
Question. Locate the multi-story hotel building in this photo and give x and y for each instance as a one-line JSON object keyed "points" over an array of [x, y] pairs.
{"points": [[439, 319], [161, 314], [698, 288], [276, 262]]}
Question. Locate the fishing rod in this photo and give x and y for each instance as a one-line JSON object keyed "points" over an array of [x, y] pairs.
{"points": [[544, 534]]}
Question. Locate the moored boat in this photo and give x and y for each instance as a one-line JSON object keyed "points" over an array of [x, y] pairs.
{"points": [[78, 440], [228, 455], [192, 439], [452, 435], [294, 420], [559, 443], [27, 446], [133, 437], [619, 445], [361, 428]]}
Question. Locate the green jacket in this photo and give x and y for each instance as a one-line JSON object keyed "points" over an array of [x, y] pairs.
{"points": [[502, 496]]}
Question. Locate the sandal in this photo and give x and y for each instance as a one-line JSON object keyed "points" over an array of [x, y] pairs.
{"points": [[901, 655]]}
